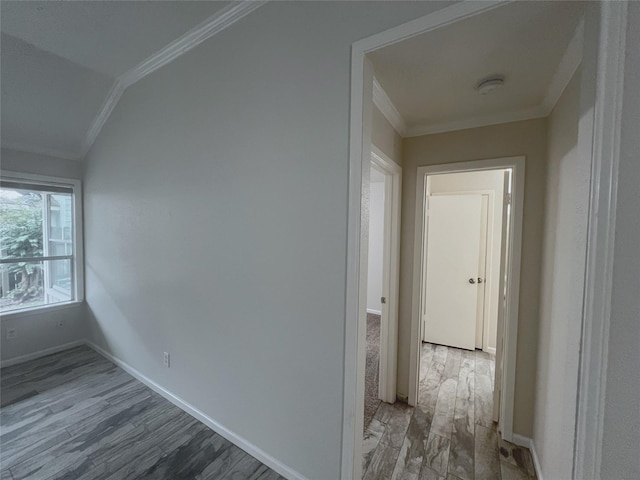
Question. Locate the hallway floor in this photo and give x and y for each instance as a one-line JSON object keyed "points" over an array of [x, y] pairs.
{"points": [[450, 434]]}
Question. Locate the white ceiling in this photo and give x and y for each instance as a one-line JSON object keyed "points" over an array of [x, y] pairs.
{"points": [[431, 78], [60, 59]]}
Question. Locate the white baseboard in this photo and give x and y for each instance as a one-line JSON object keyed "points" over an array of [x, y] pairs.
{"points": [[40, 353], [374, 312], [528, 442], [491, 350], [237, 440]]}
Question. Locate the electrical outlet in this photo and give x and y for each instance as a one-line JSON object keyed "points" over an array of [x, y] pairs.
{"points": [[60, 324], [11, 333], [166, 359]]}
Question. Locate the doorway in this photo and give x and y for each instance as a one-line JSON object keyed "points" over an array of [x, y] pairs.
{"points": [[383, 223], [452, 202]]}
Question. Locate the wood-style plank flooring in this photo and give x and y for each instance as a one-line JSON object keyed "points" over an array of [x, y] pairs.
{"points": [[75, 415], [450, 435]]}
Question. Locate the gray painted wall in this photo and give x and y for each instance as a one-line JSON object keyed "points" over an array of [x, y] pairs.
{"points": [[37, 330], [17, 161], [621, 443], [216, 214]]}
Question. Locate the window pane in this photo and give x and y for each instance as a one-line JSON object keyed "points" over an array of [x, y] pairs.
{"points": [[33, 284], [60, 216], [21, 223], [59, 272]]}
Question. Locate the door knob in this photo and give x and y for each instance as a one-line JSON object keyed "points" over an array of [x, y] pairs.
{"points": [[479, 280], [472, 281]]}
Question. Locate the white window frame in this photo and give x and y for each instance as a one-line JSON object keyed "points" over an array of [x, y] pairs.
{"points": [[78, 247]]}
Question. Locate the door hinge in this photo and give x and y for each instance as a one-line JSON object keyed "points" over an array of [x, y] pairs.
{"points": [[383, 300], [507, 198]]}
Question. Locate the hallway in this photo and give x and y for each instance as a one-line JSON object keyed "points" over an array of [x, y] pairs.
{"points": [[450, 434]]}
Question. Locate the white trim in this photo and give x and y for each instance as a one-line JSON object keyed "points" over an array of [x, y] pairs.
{"points": [[374, 312], [536, 461], [40, 353], [194, 37], [225, 432], [220, 20], [78, 230], [490, 350], [510, 327], [391, 274], [388, 109], [527, 442], [599, 140], [566, 68], [475, 122], [101, 118]]}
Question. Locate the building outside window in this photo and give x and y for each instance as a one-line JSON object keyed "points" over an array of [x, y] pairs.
{"points": [[40, 260]]}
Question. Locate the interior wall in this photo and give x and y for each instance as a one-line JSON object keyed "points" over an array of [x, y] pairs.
{"points": [[215, 224], [563, 268], [528, 138], [38, 330], [17, 161], [385, 137], [621, 423], [488, 180], [376, 241]]}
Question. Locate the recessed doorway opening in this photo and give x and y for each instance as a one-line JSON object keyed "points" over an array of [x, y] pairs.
{"points": [[468, 224]]}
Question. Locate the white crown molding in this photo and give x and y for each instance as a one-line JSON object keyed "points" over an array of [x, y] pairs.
{"points": [[49, 152], [194, 37], [566, 68], [101, 118], [388, 109], [475, 122]]}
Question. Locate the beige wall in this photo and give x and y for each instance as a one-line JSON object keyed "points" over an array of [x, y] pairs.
{"points": [[563, 268], [385, 137], [471, 182], [526, 138]]}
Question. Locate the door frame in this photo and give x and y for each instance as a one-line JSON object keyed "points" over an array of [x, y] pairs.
{"points": [[391, 273], [508, 328], [491, 238], [598, 140]]}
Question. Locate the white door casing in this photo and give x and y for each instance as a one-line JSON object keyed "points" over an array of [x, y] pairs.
{"points": [[390, 274], [451, 277], [502, 312], [481, 314]]}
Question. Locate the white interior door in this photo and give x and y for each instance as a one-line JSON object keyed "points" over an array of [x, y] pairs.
{"points": [[451, 279], [502, 311]]}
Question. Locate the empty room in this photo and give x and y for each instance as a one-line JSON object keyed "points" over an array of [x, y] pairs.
{"points": [[319, 240]]}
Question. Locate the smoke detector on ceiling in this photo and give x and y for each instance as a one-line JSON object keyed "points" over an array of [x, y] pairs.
{"points": [[490, 84]]}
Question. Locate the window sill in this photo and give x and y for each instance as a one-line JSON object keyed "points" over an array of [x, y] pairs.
{"points": [[28, 312]]}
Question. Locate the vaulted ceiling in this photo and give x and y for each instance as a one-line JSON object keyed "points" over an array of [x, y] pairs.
{"points": [[61, 59]]}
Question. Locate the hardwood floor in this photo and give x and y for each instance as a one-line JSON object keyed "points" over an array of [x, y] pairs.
{"points": [[75, 415], [450, 434]]}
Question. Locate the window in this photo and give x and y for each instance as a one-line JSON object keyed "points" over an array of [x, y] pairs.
{"points": [[39, 242]]}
